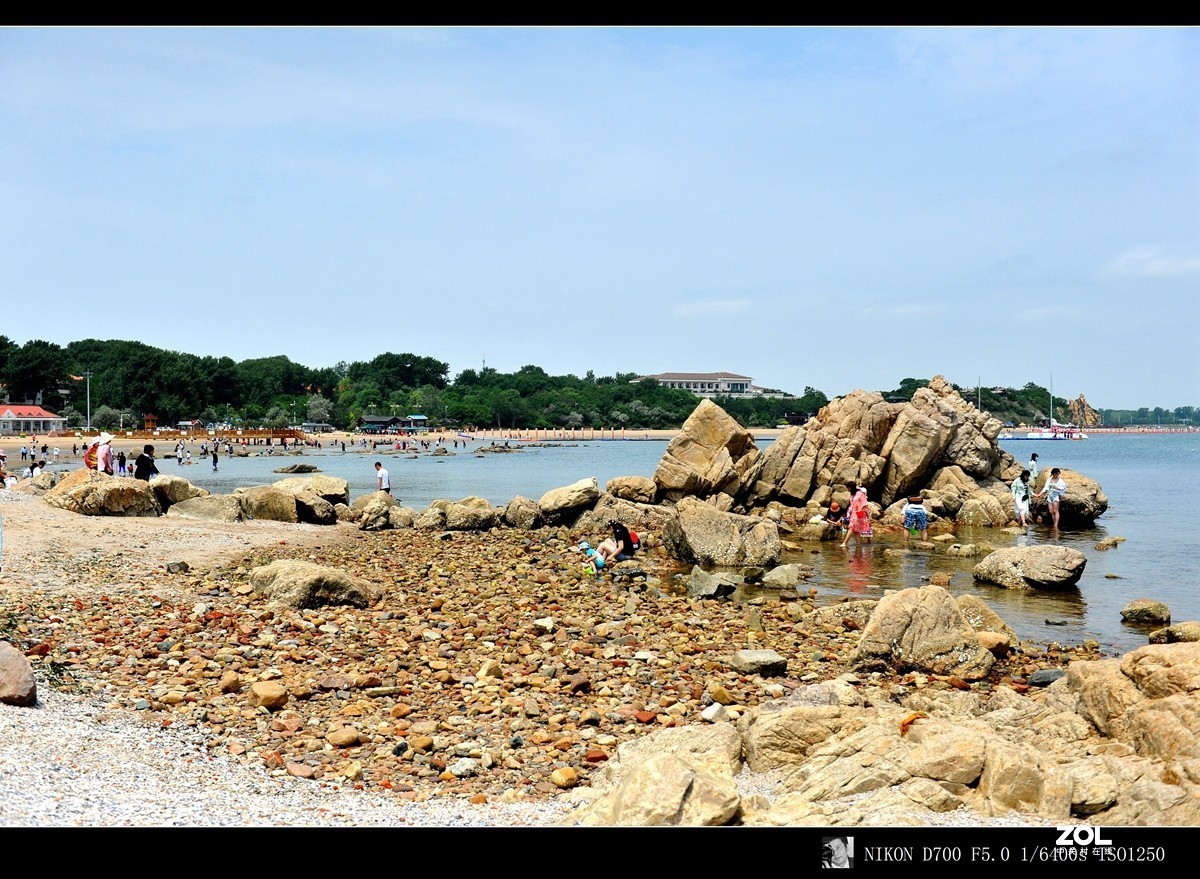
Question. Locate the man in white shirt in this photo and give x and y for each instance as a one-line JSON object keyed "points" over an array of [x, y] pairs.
{"points": [[383, 480]]}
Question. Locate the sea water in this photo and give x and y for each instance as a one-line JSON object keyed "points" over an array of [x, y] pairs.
{"points": [[1149, 479]]}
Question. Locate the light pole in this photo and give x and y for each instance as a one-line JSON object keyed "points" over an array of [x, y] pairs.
{"points": [[88, 375]]}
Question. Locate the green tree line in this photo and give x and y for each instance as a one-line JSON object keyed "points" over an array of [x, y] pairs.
{"points": [[129, 380], [118, 383]]}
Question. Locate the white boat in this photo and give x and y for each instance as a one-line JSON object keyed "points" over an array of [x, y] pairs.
{"points": [[1058, 432], [1055, 431]]}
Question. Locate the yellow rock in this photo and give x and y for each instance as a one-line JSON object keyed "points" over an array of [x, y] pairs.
{"points": [[564, 777], [343, 737]]}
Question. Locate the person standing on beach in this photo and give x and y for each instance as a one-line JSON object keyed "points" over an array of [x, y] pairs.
{"points": [[214, 459], [1020, 496], [1054, 489], [104, 454], [1032, 468], [144, 466], [383, 480]]}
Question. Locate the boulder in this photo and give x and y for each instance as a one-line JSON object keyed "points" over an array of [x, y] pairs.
{"points": [[921, 630], [1146, 610], [17, 683], [1032, 567], [297, 468], [767, 663], [432, 518], [470, 514], [559, 504], [209, 508], [638, 489], [314, 509], [702, 584], [172, 489], [268, 503], [522, 512], [665, 791], [1081, 505], [703, 458], [299, 584], [329, 488], [1186, 631], [702, 534], [373, 511], [97, 494]]}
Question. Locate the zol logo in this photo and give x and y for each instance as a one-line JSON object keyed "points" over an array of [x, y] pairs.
{"points": [[1081, 835]]}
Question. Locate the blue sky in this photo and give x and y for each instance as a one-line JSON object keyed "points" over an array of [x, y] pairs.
{"points": [[839, 208]]}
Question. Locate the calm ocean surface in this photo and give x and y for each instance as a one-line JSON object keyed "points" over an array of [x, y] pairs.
{"points": [[1150, 481]]}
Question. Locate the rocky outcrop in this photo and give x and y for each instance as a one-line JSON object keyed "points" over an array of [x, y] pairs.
{"points": [[97, 494], [1032, 567], [1114, 742], [297, 468], [298, 584], [1082, 414], [938, 444]]}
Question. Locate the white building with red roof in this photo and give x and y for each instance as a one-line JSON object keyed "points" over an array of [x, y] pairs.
{"points": [[29, 419]]}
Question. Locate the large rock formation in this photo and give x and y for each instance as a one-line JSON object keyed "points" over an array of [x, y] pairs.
{"points": [[1082, 414], [938, 445], [707, 456]]}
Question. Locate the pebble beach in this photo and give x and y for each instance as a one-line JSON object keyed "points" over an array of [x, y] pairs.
{"points": [[484, 689]]}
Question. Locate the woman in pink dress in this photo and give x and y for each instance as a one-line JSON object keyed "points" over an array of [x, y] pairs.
{"points": [[860, 517]]}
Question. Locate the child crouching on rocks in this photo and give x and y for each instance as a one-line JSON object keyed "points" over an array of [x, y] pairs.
{"points": [[595, 561]]}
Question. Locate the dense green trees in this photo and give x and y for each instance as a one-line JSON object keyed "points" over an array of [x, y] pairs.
{"points": [[131, 379]]}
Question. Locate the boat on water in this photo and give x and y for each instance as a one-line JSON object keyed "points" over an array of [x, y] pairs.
{"points": [[1055, 432]]}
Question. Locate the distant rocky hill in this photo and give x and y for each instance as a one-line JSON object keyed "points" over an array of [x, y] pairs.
{"points": [[1083, 414]]}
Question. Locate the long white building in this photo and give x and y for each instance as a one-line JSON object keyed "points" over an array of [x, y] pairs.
{"points": [[713, 384]]}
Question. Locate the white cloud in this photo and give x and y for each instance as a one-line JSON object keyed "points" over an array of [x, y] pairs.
{"points": [[1150, 262]]}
